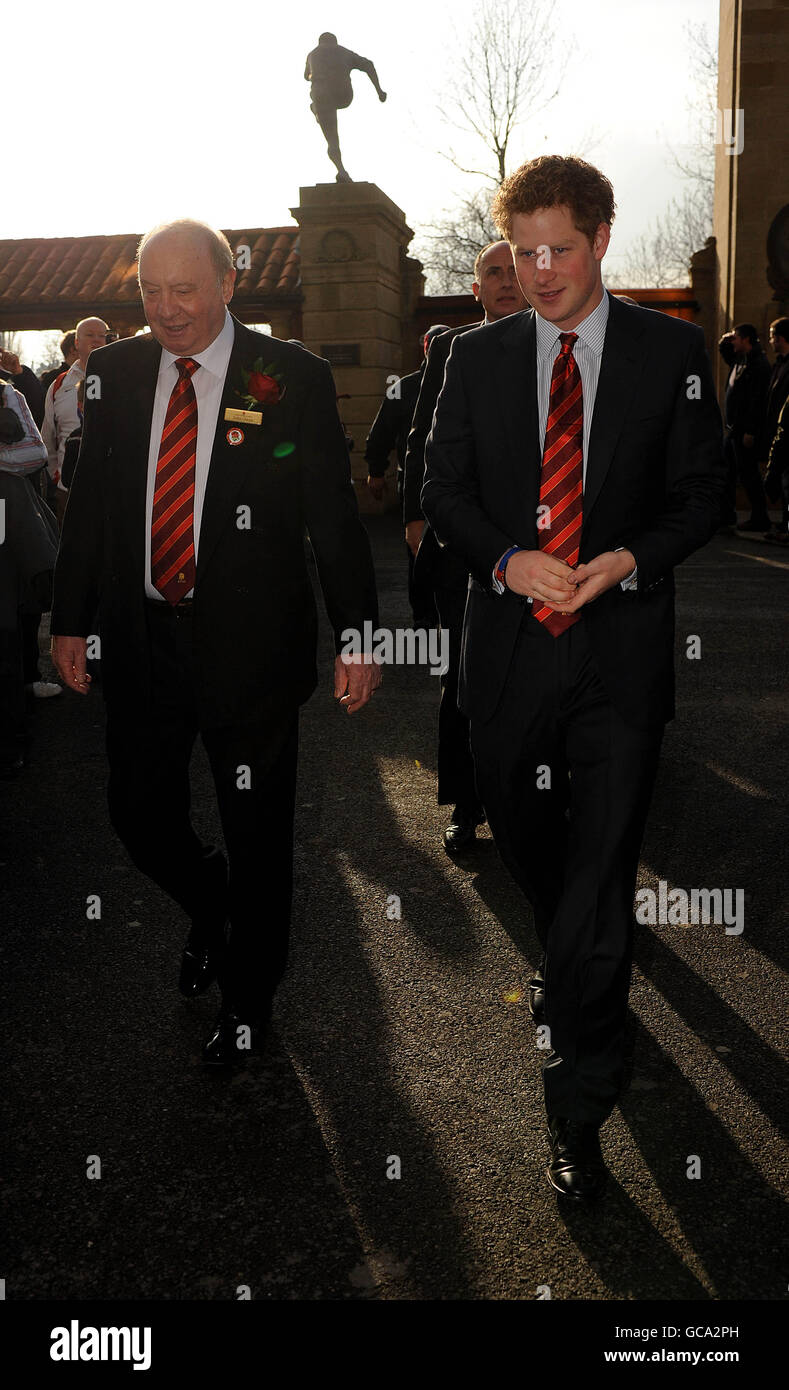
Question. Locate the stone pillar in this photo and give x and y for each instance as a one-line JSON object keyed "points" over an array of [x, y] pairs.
{"points": [[352, 248], [703, 277], [751, 156], [413, 288], [284, 322]]}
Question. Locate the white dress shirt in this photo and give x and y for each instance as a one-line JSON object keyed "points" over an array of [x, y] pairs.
{"points": [[588, 353], [208, 384]]}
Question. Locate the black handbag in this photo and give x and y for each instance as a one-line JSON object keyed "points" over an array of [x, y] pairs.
{"points": [[11, 429]]}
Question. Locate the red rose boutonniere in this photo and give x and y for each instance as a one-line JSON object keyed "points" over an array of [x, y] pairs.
{"points": [[263, 386]]}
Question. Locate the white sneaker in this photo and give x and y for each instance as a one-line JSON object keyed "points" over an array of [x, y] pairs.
{"points": [[44, 690]]}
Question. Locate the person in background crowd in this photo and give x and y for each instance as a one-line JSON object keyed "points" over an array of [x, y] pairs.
{"points": [[776, 482], [436, 569], [27, 557], [776, 397], [24, 381], [61, 414], [69, 354], [390, 431], [744, 412], [27, 384]]}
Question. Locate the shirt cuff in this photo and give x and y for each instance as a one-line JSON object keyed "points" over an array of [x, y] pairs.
{"points": [[632, 579]]}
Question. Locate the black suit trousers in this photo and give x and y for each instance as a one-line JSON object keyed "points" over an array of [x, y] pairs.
{"points": [[254, 771], [566, 786], [456, 784]]}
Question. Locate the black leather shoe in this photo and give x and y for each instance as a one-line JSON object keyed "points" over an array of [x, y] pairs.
{"points": [[537, 995], [199, 969], [576, 1170], [235, 1037], [461, 831]]}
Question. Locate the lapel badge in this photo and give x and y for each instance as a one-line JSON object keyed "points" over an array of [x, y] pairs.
{"points": [[244, 417], [235, 436]]}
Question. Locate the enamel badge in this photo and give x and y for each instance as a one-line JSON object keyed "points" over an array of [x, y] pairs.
{"points": [[235, 436]]}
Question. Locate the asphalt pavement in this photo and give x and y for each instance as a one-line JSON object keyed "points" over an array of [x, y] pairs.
{"points": [[390, 1144]]}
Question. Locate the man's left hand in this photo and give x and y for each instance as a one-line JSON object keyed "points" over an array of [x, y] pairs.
{"points": [[376, 486], [355, 679], [599, 574], [10, 363]]}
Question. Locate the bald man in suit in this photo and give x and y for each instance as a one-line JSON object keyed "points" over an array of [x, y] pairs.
{"points": [[208, 450]]}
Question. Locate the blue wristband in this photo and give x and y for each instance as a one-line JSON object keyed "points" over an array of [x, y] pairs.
{"points": [[502, 565]]}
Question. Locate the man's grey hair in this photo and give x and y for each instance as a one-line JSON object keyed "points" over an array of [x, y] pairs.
{"points": [[216, 242]]}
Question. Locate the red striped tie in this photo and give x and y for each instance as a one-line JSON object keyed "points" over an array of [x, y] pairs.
{"points": [[172, 534], [561, 482]]}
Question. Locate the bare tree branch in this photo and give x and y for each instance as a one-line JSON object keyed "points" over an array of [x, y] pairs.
{"points": [[661, 257], [511, 74]]}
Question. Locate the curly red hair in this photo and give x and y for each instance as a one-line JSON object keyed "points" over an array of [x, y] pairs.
{"points": [[554, 180]]}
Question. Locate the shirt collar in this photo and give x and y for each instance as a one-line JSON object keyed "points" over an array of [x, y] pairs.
{"points": [[214, 358], [590, 330]]}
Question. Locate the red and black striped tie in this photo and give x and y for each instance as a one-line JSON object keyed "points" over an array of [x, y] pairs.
{"points": [[172, 533], [561, 481]]}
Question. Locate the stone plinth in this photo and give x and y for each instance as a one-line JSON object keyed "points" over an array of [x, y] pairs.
{"points": [[358, 285]]}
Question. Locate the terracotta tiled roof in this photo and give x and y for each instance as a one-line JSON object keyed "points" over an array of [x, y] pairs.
{"points": [[275, 267], [53, 277]]}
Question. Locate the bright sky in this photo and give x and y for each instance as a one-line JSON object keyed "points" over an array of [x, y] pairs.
{"points": [[127, 114]]}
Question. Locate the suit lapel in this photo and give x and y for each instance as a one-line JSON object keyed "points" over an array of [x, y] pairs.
{"points": [[620, 370], [517, 382], [139, 409], [229, 462]]}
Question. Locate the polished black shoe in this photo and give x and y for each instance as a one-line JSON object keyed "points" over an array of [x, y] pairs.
{"points": [[576, 1170], [236, 1037], [461, 831], [199, 969], [537, 995]]}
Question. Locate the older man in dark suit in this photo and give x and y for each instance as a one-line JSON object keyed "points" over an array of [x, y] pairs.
{"points": [[574, 460], [207, 451]]}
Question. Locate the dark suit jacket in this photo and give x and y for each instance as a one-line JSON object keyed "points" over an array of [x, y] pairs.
{"points": [[391, 425], [432, 380], [654, 480], [434, 565], [254, 613]]}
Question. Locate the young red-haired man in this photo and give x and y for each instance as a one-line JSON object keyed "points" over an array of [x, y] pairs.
{"points": [[575, 459]]}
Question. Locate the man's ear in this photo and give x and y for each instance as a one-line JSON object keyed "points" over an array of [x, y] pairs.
{"points": [[475, 290], [601, 239], [228, 281]]}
